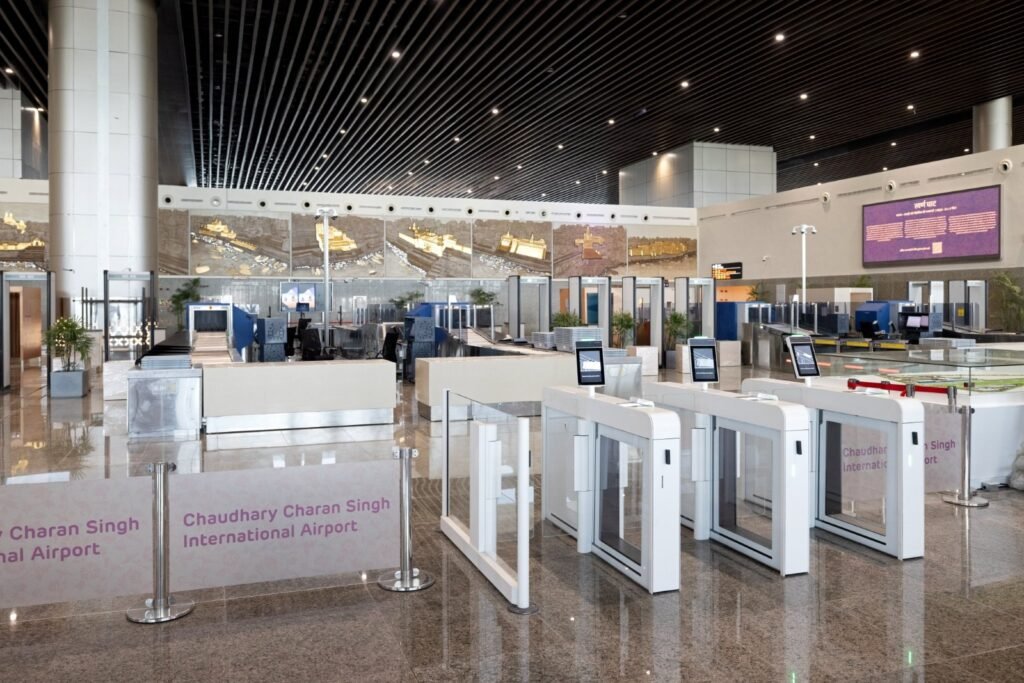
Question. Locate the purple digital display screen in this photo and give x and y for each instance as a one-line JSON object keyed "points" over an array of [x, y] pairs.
{"points": [[940, 227]]}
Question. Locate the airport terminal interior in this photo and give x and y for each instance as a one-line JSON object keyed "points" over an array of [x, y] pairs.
{"points": [[520, 341]]}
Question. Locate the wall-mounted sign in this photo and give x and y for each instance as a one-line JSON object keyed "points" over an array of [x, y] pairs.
{"points": [[727, 271]]}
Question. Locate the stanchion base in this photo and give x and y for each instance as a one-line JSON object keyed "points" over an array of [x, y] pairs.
{"points": [[972, 502], [392, 581], [532, 609], [148, 615]]}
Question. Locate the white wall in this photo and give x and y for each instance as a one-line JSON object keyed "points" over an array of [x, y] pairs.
{"points": [[10, 133], [757, 231]]}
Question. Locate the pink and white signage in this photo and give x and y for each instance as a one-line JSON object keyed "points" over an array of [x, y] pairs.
{"points": [[91, 539]]}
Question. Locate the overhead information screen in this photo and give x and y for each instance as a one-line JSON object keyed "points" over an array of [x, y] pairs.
{"points": [[590, 367], [703, 360], [940, 227], [805, 362]]}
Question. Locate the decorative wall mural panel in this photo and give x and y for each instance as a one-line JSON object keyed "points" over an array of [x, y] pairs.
{"points": [[172, 242], [589, 250], [24, 236], [503, 248], [659, 252], [418, 247], [239, 244], [356, 244]]}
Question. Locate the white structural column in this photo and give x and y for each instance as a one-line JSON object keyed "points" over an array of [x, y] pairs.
{"points": [[103, 140], [993, 125]]}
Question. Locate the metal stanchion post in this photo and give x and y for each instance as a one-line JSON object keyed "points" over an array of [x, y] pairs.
{"points": [[162, 606], [406, 578], [963, 497]]}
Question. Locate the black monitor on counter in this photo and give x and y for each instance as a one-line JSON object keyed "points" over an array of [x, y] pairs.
{"points": [[801, 352], [703, 360], [590, 366]]}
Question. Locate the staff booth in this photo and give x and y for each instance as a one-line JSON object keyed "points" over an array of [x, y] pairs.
{"points": [[868, 464], [967, 302], [28, 307], [747, 459], [529, 305], [611, 480], [644, 299], [929, 295], [591, 299], [695, 297]]}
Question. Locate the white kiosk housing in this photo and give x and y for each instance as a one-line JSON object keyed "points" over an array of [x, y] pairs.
{"points": [[611, 480]]}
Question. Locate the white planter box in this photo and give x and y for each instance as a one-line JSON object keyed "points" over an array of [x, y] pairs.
{"points": [[648, 356]]}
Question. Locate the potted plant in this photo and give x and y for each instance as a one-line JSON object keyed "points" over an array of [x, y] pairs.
{"points": [[182, 297], [623, 326], [565, 319], [68, 340], [757, 292], [677, 331], [481, 297]]}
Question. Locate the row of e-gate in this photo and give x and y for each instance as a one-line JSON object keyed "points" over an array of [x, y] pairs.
{"points": [[749, 471]]}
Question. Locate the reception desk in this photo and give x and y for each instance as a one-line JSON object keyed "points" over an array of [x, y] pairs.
{"points": [[244, 397], [490, 379]]}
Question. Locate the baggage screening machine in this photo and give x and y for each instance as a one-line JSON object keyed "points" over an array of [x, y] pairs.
{"points": [[611, 477], [591, 299], [744, 466], [867, 469], [529, 305]]}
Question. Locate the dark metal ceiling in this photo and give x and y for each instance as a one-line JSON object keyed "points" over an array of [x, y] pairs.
{"points": [[273, 83]]}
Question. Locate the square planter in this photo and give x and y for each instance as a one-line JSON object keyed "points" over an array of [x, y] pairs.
{"points": [[68, 384]]}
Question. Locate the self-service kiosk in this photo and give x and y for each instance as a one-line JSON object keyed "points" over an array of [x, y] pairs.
{"points": [[867, 469], [611, 477]]}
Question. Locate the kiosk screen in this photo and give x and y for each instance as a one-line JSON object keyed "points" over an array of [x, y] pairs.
{"points": [[703, 362], [590, 367], [805, 363]]}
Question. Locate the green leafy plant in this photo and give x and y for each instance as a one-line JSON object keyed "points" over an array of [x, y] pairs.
{"points": [[624, 327], [481, 297], [68, 340], [565, 319], [406, 301], [757, 292], [677, 328], [1008, 298], [182, 297], [863, 281]]}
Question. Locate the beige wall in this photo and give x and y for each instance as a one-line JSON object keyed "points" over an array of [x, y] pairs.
{"points": [[757, 231]]}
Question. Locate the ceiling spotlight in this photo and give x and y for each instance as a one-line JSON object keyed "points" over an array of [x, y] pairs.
{"points": [[342, 131], [457, 139], [967, 149], [426, 161], [561, 146], [324, 156], [494, 111], [8, 71], [717, 129], [885, 168], [389, 187], [611, 122], [316, 168], [910, 107], [469, 190], [815, 164], [654, 154], [304, 183], [363, 100], [410, 173], [396, 54], [604, 172], [519, 166], [685, 84], [577, 182], [543, 194], [803, 96], [892, 144], [779, 37], [915, 54], [497, 177], [819, 183], [811, 136]]}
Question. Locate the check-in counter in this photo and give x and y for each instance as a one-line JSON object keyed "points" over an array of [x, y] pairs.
{"points": [[244, 397], [494, 379]]}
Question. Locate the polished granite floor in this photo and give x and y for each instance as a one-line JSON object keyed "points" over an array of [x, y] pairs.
{"points": [[957, 615]]}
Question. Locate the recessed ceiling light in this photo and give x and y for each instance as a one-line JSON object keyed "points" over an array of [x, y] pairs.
{"points": [[426, 161], [803, 96], [885, 168], [8, 70], [457, 139], [577, 182], [395, 54], [363, 100], [717, 129], [494, 111], [915, 54], [892, 144], [519, 166], [543, 194], [654, 154], [604, 172], [779, 37], [316, 168], [218, 35], [967, 149], [324, 156], [469, 190], [611, 122], [410, 173], [389, 187], [561, 147], [819, 183], [811, 137], [342, 131], [304, 183], [497, 177], [685, 84], [910, 107], [815, 164]]}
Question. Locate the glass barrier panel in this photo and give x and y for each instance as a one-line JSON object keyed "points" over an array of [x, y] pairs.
{"points": [[855, 472], [620, 498], [744, 465]]}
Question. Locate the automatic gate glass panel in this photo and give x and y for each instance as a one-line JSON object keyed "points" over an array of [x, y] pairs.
{"points": [[620, 496], [567, 474], [744, 466], [855, 481]]}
